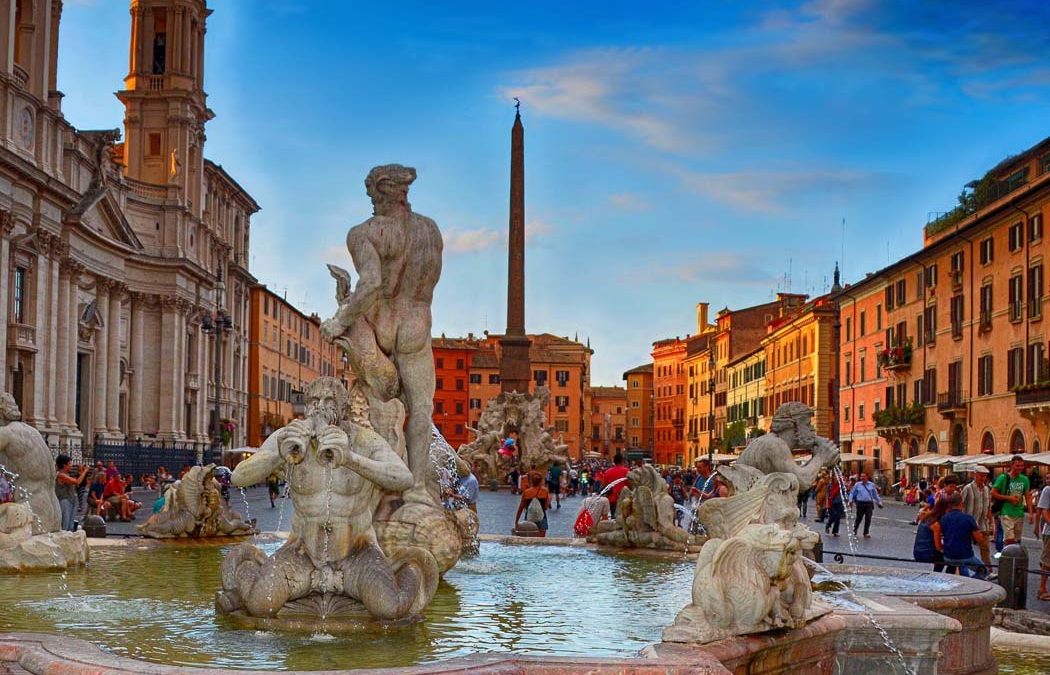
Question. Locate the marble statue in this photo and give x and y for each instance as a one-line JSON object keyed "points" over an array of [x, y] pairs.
{"points": [[332, 566], [644, 515], [384, 323], [791, 429], [193, 507], [523, 414], [750, 576], [30, 527]]}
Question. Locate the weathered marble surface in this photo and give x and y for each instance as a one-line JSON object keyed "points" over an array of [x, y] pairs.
{"points": [[520, 413], [644, 515], [21, 550], [791, 429], [194, 508], [30, 528]]}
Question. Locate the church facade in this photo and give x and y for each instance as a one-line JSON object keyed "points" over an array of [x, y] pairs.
{"points": [[124, 282]]}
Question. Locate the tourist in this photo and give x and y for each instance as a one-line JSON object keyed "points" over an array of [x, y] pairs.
{"points": [[617, 474], [7, 491], [678, 494], [512, 478], [1010, 490], [977, 501], [554, 482], [117, 499], [467, 486], [707, 484], [96, 502], [958, 532], [273, 487], [835, 508], [598, 480], [66, 488], [927, 545], [163, 476], [535, 502], [585, 479], [911, 495], [864, 495], [111, 469], [822, 496], [803, 502], [574, 481], [1042, 531]]}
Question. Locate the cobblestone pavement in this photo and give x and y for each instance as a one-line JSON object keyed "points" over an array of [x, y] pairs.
{"points": [[892, 532]]}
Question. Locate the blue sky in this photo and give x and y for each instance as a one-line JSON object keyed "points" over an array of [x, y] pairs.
{"points": [[675, 152]]}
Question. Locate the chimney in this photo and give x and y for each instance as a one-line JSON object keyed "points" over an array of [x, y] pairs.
{"points": [[701, 318]]}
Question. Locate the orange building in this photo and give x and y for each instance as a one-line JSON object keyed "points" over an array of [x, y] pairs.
{"points": [[740, 332], [285, 353], [640, 407], [801, 349], [669, 380], [560, 364], [452, 357], [608, 420], [699, 395], [963, 348]]}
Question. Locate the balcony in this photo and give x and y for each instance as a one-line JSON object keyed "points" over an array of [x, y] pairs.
{"points": [[896, 358], [1032, 399], [21, 76], [21, 336], [952, 403], [897, 421]]}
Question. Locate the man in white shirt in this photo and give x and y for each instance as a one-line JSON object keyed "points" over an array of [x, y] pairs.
{"points": [[977, 501], [1043, 523]]}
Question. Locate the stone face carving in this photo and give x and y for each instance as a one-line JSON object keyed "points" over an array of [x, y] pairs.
{"points": [[332, 567], [750, 576], [30, 535], [194, 508], [791, 429], [520, 413], [644, 515]]}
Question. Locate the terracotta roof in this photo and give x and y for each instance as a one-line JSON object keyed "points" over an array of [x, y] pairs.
{"points": [[608, 392], [484, 358], [639, 370], [453, 343]]}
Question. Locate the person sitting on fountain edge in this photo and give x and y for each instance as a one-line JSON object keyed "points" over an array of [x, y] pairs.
{"points": [[534, 512], [617, 472], [958, 532]]}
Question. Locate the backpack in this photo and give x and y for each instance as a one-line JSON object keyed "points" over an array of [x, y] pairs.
{"points": [[534, 513], [584, 523]]}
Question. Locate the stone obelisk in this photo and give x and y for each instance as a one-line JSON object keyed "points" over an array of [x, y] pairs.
{"points": [[514, 369]]}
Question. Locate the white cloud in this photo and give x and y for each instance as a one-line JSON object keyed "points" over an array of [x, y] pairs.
{"points": [[470, 241]]}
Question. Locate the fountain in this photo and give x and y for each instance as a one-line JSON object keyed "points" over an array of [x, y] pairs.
{"points": [[193, 507], [30, 529], [372, 573]]}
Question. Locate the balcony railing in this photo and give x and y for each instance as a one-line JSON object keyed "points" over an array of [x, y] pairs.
{"points": [[21, 336], [951, 401], [1033, 395], [21, 76]]}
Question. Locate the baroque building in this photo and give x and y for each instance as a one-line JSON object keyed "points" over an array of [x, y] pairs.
{"points": [[124, 286]]}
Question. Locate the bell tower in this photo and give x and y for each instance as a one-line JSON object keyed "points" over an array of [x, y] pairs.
{"points": [[164, 100]]}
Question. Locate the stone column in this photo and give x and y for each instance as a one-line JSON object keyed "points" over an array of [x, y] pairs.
{"points": [[53, 336], [136, 327], [101, 365], [72, 330], [187, 42], [7, 224], [113, 360], [180, 371], [62, 375], [41, 291], [168, 399]]}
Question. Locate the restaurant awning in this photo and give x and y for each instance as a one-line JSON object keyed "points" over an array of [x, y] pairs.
{"points": [[926, 459]]}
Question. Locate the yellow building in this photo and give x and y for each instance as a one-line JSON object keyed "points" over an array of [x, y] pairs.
{"points": [[801, 349], [746, 392], [698, 386]]}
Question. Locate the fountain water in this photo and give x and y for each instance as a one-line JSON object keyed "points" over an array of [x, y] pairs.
{"points": [[851, 535], [866, 611]]}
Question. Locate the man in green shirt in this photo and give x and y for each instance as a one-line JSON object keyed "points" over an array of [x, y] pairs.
{"points": [[1011, 488]]}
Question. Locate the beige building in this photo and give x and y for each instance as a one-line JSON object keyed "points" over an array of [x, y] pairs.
{"points": [[746, 393], [124, 288]]}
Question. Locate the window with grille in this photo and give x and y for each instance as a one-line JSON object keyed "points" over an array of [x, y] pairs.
{"points": [[1016, 297]]}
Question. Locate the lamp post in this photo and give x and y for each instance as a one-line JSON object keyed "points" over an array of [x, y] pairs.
{"points": [[711, 409], [217, 324]]}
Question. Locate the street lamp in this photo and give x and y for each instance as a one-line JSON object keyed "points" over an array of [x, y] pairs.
{"points": [[711, 409], [217, 323]]}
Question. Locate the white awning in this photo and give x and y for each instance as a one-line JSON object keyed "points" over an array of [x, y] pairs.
{"points": [[926, 459]]}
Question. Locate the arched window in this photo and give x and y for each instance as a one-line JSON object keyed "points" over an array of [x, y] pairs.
{"points": [[1016, 442], [988, 443], [1035, 445], [931, 444], [913, 447], [958, 445]]}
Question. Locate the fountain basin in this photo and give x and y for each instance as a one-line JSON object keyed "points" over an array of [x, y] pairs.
{"points": [[968, 601]]}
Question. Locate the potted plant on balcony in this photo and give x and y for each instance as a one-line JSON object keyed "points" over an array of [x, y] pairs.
{"points": [[898, 355], [226, 428]]}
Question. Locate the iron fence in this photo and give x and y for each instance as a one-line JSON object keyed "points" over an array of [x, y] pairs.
{"points": [[138, 458]]}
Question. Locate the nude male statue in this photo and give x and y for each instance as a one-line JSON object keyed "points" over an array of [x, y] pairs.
{"points": [[23, 452], [384, 324], [337, 470]]}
